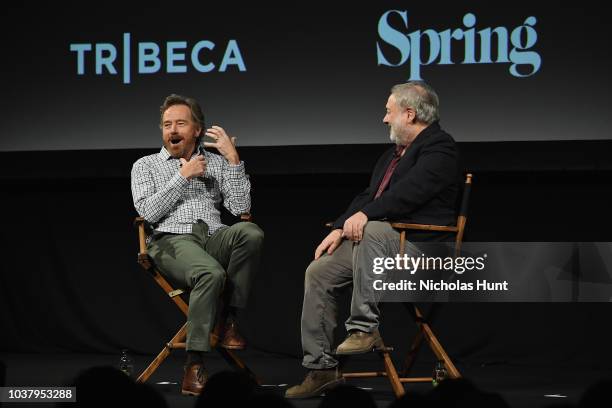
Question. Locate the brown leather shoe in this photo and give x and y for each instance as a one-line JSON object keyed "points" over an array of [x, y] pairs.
{"points": [[194, 380], [231, 338]]}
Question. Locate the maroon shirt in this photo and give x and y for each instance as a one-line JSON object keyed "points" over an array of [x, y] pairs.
{"points": [[399, 149]]}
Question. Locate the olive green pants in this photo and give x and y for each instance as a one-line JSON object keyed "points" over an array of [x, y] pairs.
{"points": [[224, 262]]}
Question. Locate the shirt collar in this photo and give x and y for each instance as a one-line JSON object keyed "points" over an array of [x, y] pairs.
{"points": [[399, 149], [164, 154]]}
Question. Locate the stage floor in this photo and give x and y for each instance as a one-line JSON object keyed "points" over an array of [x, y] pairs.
{"points": [[520, 386]]}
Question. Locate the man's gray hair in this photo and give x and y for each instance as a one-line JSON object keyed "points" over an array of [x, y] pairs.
{"points": [[420, 97]]}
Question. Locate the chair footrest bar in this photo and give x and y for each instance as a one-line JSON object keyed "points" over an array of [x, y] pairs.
{"points": [[415, 379], [365, 374], [176, 346], [371, 374]]}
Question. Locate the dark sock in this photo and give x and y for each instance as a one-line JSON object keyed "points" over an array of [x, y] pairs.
{"points": [[194, 357], [232, 312]]}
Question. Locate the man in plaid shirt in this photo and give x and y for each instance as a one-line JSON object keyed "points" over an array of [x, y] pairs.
{"points": [[180, 191]]}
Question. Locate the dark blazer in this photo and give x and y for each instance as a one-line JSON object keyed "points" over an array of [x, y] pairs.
{"points": [[423, 188]]}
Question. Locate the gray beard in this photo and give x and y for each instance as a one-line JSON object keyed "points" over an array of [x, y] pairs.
{"points": [[394, 138]]}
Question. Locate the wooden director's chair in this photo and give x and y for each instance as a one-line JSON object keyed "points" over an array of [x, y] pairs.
{"points": [[424, 331], [178, 341]]}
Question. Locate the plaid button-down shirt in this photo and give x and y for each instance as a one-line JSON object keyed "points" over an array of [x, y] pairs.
{"points": [[171, 203]]}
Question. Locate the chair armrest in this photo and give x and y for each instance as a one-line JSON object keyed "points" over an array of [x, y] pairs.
{"points": [[421, 227], [424, 227]]}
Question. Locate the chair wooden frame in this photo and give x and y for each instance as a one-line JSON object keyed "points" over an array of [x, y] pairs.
{"points": [[178, 340], [424, 331]]}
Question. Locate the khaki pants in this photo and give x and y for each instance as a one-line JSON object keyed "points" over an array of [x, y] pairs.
{"points": [[349, 265]]}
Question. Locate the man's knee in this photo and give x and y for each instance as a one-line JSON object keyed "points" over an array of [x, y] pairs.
{"points": [[250, 232], [379, 231], [316, 272], [214, 277]]}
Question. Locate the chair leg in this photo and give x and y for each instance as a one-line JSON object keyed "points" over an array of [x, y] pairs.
{"points": [[236, 362], [424, 332], [390, 371], [396, 384], [178, 342], [412, 354], [179, 337], [439, 351], [410, 359]]}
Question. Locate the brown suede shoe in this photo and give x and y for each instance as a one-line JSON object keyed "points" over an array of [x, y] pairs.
{"points": [[231, 338], [316, 383], [359, 342], [194, 380]]}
